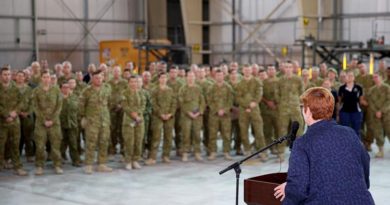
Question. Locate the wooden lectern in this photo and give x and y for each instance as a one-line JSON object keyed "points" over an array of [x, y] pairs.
{"points": [[260, 190]]}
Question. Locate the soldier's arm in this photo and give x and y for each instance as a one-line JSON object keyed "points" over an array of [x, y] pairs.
{"points": [[58, 107], [35, 104], [230, 99], [173, 107], [83, 102], [20, 101], [386, 106], [143, 104], [240, 98], [210, 99], [258, 94], [202, 103], [155, 106]]}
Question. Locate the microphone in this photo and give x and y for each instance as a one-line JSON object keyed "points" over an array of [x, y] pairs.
{"points": [[293, 133]]}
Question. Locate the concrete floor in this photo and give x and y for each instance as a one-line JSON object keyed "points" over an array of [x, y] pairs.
{"points": [[173, 184]]}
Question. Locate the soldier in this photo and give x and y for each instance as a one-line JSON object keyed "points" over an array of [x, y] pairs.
{"points": [[118, 85], [379, 112], [47, 105], [305, 79], [233, 82], [323, 70], [146, 77], [95, 116], [204, 84], [67, 73], [133, 127], [255, 70], [269, 111], [54, 81], [289, 88], [332, 76], [382, 66], [36, 74], [192, 106], [146, 116], [58, 70], [220, 99], [126, 74], [91, 69], [296, 68], [11, 102], [366, 81], [176, 84], [163, 117], [26, 117], [315, 76], [69, 124], [248, 96]]}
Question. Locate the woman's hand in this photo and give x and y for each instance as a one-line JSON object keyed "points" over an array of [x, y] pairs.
{"points": [[279, 191]]}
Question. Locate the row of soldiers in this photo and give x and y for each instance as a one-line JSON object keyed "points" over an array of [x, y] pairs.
{"points": [[116, 107]]}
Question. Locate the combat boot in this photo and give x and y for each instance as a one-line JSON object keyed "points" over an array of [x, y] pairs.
{"points": [[88, 169], [150, 161], [20, 172], [166, 160], [198, 157], [184, 157], [128, 166], [136, 165], [227, 156], [380, 153], [212, 156], [263, 157], [39, 171], [58, 170], [104, 168]]}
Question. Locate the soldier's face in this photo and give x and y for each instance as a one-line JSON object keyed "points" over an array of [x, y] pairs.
{"points": [[190, 78], [133, 83], [6, 76], [331, 75], [247, 71], [173, 73], [140, 83], [117, 72], [326, 84], [46, 80], [271, 71], [67, 69], [263, 75], [289, 69], [219, 77], [146, 77], [72, 84], [65, 89], [20, 78], [97, 80], [377, 79], [163, 79]]}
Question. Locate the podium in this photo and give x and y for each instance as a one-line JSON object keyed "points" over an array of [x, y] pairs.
{"points": [[260, 190]]}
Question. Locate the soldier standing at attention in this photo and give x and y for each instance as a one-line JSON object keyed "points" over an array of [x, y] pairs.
{"points": [[220, 98], [289, 88], [96, 122], [67, 73], [35, 78], [234, 79], [133, 126], [11, 101], [192, 106], [248, 96], [175, 83], [146, 112], [69, 124], [26, 117], [269, 111], [47, 104], [379, 112], [118, 85], [163, 116]]}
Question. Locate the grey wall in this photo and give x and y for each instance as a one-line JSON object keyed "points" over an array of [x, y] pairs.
{"points": [[64, 22]]}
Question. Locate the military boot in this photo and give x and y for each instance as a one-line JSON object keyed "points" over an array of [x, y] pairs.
{"points": [[39, 171], [104, 168], [21, 172], [227, 156], [198, 157], [136, 165], [88, 169], [58, 170], [212, 156], [380, 153], [184, 157]]}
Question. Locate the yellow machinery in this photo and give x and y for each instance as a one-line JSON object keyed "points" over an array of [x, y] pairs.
{"points": [[120, 52]]}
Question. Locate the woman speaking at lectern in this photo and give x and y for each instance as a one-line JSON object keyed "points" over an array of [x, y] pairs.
{"points": [[328, 164]]}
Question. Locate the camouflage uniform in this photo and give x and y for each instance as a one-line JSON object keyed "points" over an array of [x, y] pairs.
{"points": [[378, 100], [27, 123], [248, 91], [94, 108], [220, 97], [47, 106], [64, 79], [317, 82], [235, 128], [270, 116], [147, 117], [191, 99], [133, 131], [176, 85], [288, 92], [10, 100], [80, 87], [116, 113], [163, 102], [366, 81], [69, 125], [205, 85]]}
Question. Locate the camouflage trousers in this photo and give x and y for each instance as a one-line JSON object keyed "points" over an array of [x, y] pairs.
{"points": [[27, 135], [191, 129], [379, 128], [147, 133], [70, 139], [42, 135], [133, 138], [285, 118], [223, 125], [98, 136], [178, 132], [116, 131], [167, 126], [10, 133], [270, 125], [254, 120]]}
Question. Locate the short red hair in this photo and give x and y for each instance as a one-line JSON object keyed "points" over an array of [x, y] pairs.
{"points": [[320, 101]]}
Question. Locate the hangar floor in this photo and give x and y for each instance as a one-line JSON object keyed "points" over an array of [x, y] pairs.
{"points": [[176, 183]]}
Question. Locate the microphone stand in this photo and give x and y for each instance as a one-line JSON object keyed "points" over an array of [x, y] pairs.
{"points": [[236, 165]]}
